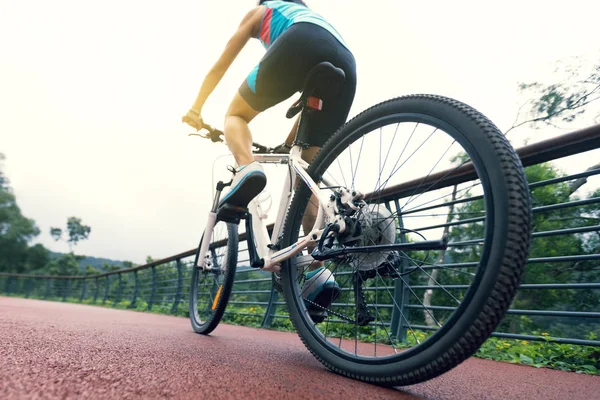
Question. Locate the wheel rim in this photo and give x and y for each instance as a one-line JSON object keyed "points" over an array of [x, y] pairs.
{"points": [[395, 140]]}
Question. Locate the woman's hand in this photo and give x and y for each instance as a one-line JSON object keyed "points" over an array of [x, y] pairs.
{"points": [[193, 119]]}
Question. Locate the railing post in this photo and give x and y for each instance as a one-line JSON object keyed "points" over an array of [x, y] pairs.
{"points": [[271, 307], [27, 288], [106, 289], [135, 290], [47, 292], [67, 291], [119, 290], [399, 311], [153, 294], [83, 288], [97, 290], [7, 286], [179, 286]]}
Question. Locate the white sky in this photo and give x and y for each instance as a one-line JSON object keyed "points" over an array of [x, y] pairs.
{"points": [[92, 93]]}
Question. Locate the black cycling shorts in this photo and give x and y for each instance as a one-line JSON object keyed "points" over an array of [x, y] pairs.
{"points": [[284, 68]]}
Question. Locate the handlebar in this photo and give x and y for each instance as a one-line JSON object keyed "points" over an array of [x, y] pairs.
{"points": [[216, 135]]}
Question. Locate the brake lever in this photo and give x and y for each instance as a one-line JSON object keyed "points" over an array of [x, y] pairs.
{"points": [[213, 134], [260, 148]]}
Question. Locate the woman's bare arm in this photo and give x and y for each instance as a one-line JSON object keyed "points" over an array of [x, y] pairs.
{"points": [[248, 28]]}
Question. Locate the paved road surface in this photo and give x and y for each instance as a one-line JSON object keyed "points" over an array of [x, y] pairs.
{"points": [[56, 350]]}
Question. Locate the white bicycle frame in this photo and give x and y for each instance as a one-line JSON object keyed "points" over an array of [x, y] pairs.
{"points": [[273, 258]]}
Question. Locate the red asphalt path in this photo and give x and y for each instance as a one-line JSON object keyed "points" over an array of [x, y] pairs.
{"points": [[57, 350]]}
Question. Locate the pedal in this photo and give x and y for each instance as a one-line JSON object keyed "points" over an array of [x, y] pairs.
{"points": [[318, 316], [231, 214]]}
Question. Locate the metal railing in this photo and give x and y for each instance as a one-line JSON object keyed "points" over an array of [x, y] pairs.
{"points": [[163, 285]]}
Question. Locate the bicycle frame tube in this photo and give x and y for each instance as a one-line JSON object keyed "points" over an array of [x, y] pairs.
{"points": [[259, 237], [296, 167]]}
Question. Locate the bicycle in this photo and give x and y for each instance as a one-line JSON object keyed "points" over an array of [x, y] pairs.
{"points": [[383, 326]]}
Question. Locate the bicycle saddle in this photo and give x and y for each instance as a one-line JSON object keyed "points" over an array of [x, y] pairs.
{"points": [[324, 82]]}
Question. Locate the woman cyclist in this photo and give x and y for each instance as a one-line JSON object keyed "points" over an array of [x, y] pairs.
{"points": [[296, 39]]}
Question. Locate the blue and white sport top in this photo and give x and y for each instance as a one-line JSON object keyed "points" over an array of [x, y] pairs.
{"points": [[280, 15]]}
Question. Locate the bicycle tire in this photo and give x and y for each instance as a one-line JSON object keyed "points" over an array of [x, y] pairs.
{"points": [[497, 281], [217, 299]]}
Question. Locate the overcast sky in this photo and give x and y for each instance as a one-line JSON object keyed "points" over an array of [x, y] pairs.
{"points": [[92, 93]]}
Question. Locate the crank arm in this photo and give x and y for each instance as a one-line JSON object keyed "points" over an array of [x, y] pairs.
{"points": [[441, 244]]}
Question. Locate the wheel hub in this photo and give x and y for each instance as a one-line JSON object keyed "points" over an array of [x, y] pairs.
{"points": [[378, 227]]}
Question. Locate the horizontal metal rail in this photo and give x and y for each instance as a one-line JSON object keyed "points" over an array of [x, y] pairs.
{"points": [[160, 285]]}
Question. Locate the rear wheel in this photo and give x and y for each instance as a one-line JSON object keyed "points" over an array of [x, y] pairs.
{"points": [[210, 289], [433, 167]]}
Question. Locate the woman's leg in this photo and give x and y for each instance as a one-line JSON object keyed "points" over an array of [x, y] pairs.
{"points": [[237, 132]]}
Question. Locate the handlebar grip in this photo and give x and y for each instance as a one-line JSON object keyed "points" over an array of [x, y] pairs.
{"points": [[215, 135]]}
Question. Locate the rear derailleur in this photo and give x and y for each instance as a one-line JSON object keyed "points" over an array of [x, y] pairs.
{"points": [[387, 269]]}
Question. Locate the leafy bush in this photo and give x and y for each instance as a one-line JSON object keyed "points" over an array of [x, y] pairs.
{"points": [[565, 357]]}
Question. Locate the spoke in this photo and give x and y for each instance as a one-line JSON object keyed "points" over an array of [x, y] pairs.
{"points": [[335, 181], [436, 182], [439, 284], [398, 307], [405, 161], [351, 163], [395, 303], [387, 154], [396, 214], [381, 319], [379, 159], [430, 171], [437, 265], [424, 307], [442, 215], [358, 160], [397, 160], [342, 172], [382, 323], [439, 198], [347, 306]]}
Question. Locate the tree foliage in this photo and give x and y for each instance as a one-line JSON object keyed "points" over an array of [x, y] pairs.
{"points": [[65, 264], [16, 231], [561, 102], [76, 232], [3, 180]]}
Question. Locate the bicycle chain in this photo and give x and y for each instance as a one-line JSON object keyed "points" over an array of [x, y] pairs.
{"points": [[342, 316]]}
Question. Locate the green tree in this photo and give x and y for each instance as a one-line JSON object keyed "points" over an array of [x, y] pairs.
{"points": [[561, 102], [76, 232], [37, 257], [16, 231], [3, 180], [65, 264], [89, 270], [110, 267]]}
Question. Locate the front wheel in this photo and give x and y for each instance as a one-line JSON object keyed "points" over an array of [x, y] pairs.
{"points": [[431, 167], [210, 289]]}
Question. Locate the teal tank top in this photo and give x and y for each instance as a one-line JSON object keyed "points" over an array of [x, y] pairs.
{"points": [[280, 15]]}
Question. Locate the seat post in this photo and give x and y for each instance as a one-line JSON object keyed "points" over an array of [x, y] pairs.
{"points": [[301, 128]]}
